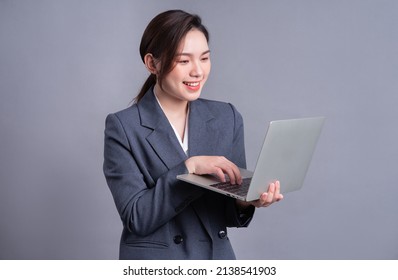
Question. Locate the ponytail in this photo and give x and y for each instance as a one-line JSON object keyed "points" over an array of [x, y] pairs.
{"points": [[150, 82]]}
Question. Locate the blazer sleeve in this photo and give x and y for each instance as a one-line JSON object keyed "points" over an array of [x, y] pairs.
{"points": [[237, 217], [142, 208], [238, 150]]}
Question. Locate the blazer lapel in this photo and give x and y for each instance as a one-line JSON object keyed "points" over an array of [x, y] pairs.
{"points": [[162, 138], [203, 137]]}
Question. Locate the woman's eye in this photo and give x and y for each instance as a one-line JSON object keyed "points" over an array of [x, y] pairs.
{"points": [[205, 58], [183, 61]]}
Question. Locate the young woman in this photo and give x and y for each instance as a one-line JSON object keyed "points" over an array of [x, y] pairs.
{"points": [[170, 131]]}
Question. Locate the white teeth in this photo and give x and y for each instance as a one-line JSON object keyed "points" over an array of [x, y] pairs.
{"points": [[192, 84]]}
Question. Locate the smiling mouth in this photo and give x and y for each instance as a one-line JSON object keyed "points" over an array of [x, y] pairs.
{"points": [[194, 84]]}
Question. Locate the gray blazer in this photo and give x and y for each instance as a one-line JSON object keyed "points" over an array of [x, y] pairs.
{"points": [[164, 218]]}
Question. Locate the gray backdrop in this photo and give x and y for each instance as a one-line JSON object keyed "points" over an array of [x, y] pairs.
{"points": [[64, 65]]}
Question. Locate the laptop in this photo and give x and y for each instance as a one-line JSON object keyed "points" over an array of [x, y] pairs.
{"points": [[285, 156]]}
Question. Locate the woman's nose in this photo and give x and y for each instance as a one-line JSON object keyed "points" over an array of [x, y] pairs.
{"points": [[196, 70]]}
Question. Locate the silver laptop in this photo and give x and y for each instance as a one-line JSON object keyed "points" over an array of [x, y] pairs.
{"points": [[285, 156]]}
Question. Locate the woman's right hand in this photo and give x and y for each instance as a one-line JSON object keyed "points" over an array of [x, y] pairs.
{"points": [[217, 165]]}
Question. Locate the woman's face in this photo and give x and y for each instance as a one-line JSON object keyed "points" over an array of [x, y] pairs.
{"points": [[191, 69]]}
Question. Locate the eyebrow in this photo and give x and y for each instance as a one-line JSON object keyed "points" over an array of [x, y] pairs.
{"points": [[190, 54]]}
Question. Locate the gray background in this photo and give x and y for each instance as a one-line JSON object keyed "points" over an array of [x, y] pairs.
{"points": [[64, 65]]}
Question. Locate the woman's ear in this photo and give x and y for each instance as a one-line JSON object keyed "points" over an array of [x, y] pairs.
{"points": [[150, 63]]}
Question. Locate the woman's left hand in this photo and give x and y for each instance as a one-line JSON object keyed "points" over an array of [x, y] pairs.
{"points": [[266, 199]]}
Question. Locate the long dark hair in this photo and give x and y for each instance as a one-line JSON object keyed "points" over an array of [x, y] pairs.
{"points": [[162, 38]]}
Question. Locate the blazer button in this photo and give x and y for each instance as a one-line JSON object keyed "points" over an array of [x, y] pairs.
{"points": [[178, 239], [222, 234]]}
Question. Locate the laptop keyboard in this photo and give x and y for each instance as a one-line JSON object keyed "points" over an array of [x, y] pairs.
{"points": [[235, 189]]}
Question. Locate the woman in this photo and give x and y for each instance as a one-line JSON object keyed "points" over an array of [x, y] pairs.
{"points": [[170, 131]]}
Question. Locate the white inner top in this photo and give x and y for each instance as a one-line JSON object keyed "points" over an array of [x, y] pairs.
{"points": [[183, 143]]}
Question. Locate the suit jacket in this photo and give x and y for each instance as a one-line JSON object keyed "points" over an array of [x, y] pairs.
{"points": [[164, 218]]}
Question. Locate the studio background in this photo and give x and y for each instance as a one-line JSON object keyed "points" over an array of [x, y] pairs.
{"points": [[64, 65]]}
